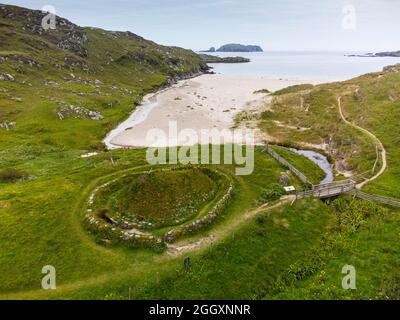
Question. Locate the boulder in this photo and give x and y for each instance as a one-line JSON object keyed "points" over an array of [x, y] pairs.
{"points": [[7, 76], [284, 180]]}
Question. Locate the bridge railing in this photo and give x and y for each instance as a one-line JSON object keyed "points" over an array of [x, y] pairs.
{"points": [[334, 188], [369, 197], [327, 191], [362, 176]]}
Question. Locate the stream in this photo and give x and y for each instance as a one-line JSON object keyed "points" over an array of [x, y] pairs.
{"points": [[321, 161]]}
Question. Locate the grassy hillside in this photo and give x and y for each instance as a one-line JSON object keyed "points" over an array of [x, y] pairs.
{"points": [[309, 116], [96, 71], [250, 251], [375, 105], [42, 224]]}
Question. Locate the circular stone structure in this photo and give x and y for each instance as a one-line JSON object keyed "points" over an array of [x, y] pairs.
{"points": [[157, 206]]}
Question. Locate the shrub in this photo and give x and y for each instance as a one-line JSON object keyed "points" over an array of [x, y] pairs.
{"points": [[267, 114], [260, 232], [353, 213], [265, 91], [294, 89], [272, 194], [12, 175], [261, 219], [391, 288]]}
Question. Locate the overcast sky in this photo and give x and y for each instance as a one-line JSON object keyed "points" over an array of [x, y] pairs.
{"points": [[273, 24]]}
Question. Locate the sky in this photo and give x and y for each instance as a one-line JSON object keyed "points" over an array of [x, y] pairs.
{"points": [[292, 25]]}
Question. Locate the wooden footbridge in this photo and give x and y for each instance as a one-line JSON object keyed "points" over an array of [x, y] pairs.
{"points": [[327, 191], [334, 189]]}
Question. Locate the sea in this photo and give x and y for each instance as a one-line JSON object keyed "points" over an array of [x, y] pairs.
{"points": [[329, 66]]}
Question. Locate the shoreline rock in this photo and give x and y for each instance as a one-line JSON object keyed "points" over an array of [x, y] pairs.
{"points": [[393, 54], [214, 59]]}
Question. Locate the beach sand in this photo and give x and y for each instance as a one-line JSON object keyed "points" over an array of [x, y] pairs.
{"points": [[203, 103]]}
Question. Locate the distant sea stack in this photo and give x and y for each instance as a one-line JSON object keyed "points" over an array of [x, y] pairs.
{"points": [[212, 49], [234, 47]]}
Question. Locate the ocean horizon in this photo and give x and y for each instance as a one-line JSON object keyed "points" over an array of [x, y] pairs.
{"points": [[303, 65]]}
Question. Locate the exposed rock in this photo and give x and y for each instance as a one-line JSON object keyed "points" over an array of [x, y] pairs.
{"points": [[67, 35], [214, 59], [51, 83], [393, 69], [284, 179], [20, 59], [78, 113], [7, 125], [7, 77], [212, 49], [388, 54]]}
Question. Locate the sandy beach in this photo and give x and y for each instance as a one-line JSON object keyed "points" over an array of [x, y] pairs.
{"points": [[204, 103]]}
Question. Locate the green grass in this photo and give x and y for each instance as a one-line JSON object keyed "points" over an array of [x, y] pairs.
{"points": [[314, 173], [293, 89], [42, 216], [44, 226], [376, 107], [369, 248], [310, 117], [249, 259], [180, 194]]}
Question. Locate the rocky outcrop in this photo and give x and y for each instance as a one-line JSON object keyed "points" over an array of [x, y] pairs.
{"points": [[395, 54], [6, 77], [388, 54], [7, 124], [21, 59], [67, 35], [214, 59], [392, 69], [25, 40], [78, 113], [212, 49]]}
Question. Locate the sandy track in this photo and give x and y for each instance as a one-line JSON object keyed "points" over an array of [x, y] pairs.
{"points": [[181, 248], [377, 141]]}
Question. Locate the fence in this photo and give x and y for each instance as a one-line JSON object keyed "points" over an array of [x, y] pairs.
{"points": [[334, 188], [285, 163], [377, 199]]}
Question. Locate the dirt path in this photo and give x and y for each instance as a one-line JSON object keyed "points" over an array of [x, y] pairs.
{"points": [[377, 141], [181, 248]]}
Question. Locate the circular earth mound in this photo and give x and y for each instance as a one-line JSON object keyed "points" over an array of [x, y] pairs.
{"points": [[158, 199], [157, 206], [161, 199]]}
